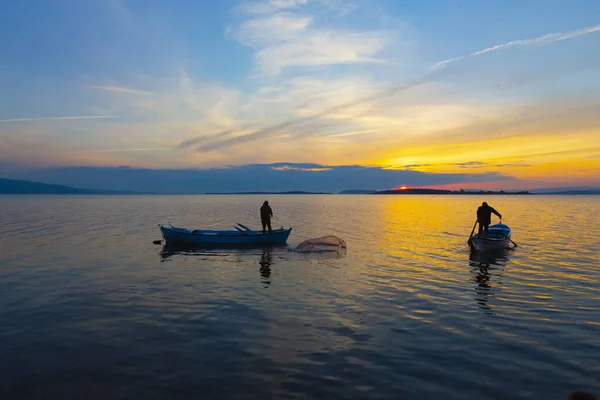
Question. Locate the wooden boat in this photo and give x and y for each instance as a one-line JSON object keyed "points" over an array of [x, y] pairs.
{"points": [[238, 237], [498, 238]]}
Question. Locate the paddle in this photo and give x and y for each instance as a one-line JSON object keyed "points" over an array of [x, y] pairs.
{"points": [[470, 241], [516, 245], [240, 230], [245, 227]]}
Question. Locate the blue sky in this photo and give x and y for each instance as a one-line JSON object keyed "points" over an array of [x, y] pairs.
{"points": [[394, 84]]}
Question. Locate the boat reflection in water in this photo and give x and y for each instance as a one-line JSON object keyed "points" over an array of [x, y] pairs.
{"points": [[203, 253], [265, 256], [169, 252], [485, 268]]}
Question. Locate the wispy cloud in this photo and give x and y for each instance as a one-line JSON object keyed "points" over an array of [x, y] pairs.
{"points": [[352, 133], [194, 141], [465, 165], [58, 118], [270, 6], [124, 90], [514, 164], [284, 37], [471, 164], [293, 168], [275, 129], [410, 166], [549, 38], [128, 150]]}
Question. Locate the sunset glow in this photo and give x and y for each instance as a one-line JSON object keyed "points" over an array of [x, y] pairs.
{"points": [[379, 83]]}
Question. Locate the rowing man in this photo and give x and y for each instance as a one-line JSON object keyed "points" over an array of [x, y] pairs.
{"points": [[484, 216]]}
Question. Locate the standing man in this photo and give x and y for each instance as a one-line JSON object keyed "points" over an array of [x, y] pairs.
{"points": [[265, 216], [484, 216]]}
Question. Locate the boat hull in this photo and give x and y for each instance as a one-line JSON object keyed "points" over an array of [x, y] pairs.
{"points": [[184, 236], [497, 239], [484, 244]]}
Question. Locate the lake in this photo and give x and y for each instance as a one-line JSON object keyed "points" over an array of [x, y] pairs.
{"points": [[91, 308]]}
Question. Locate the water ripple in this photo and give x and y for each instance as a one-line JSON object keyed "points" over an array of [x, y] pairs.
{"points": [[92, 309]]}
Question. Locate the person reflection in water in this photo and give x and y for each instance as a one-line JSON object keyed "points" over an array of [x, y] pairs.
{"points": [[484, 216], [265, 216], [484, 291], [484, 267], [265, 267]]}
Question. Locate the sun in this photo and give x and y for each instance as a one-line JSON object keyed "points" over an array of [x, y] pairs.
{"points": [[403, 188]]}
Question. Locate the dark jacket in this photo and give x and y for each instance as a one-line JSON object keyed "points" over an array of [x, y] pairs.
{"points": [[484, 214], [265, 212]]}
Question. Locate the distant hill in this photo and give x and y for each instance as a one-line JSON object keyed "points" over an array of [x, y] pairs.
{"points": [[17, 186], [14, 186], [576, 192], [358, 191], [267, 193], [441, 191]]}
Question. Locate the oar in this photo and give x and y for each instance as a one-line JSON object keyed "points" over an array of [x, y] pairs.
{"points": [[470, 241], [516, 245], [245, 227], [240, 230]]}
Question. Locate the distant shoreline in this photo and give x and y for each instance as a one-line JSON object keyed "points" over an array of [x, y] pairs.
{"points": [[21, 187], [101, 193], [450, 192], [266, 193]]}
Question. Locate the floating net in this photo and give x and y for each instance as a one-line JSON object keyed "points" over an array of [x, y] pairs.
{"points": [[322, 244]]}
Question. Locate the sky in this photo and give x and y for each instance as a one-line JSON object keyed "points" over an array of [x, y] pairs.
{"points": [[469, 94]]}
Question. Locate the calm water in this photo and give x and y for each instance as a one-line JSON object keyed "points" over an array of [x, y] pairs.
{"points": [[90, 308]]}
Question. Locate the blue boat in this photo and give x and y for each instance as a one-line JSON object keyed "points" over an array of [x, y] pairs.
{"points": [[238, 237], [498, 238]]}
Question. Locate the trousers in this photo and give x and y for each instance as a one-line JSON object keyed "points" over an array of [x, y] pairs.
{"points": [[266, 223]]}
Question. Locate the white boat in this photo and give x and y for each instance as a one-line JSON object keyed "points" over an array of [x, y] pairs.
{"points": [[498, 237]]}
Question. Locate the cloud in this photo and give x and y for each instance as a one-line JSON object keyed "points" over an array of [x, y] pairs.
{"points": [[30, 145], [216, 136], [514, 164], [124, 90], [590, 170], [193, 141], [570, 153], [244, 178], [465, 165], [58, 118], [323, 111], [275, 129], [410, 166], [284, 39], [470, 164], [270, 6], [352, 133], [126, 150], [293, 168], [549, 38]]}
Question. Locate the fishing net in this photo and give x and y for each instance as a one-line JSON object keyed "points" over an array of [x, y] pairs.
{"points": [[324, 243]]}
